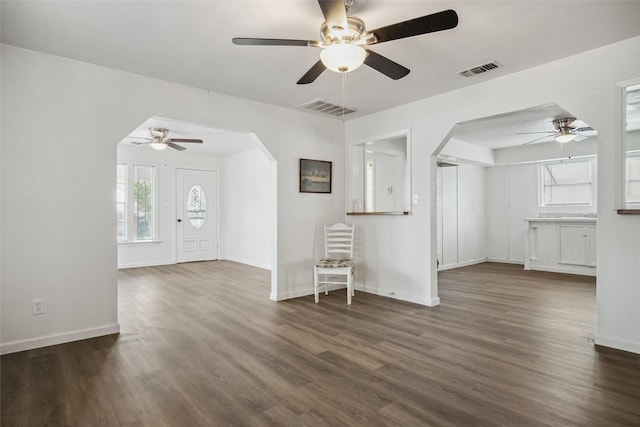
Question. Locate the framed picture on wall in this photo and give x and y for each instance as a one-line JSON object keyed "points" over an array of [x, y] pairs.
{"points": [[315, 176]]}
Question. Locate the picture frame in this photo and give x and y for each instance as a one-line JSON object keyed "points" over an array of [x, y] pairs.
{"points": [[315, 176]]}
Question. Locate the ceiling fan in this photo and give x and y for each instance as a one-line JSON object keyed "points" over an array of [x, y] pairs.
{"points": [[159, 140], [566, 130], [344, 40]]}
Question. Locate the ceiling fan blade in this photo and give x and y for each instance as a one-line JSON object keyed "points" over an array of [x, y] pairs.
{"points": [[247, 41], [440, 21], [183, 140], [537, 139], [579, 138], [584, 129], [386, 66], [334, 13], [313, 73], [177, 147]]}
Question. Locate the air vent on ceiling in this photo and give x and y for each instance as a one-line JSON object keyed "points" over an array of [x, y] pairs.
{"points": [[474, 71], [324, 107]]}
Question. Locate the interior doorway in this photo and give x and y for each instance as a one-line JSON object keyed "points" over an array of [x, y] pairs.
{"points": [[490, 183], [220, 184]]}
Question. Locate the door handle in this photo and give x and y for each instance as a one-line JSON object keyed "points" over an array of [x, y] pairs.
{"points": [[179, 220]]}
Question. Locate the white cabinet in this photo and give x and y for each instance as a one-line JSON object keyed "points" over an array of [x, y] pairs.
{"points": [[565, 245]]}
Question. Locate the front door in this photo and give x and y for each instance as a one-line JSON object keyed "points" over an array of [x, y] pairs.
{"points": [[197, 215]]}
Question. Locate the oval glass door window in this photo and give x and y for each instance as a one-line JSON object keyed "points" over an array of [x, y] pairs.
{"points": [[197, 206]]}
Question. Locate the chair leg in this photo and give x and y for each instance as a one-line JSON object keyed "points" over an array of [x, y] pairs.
{"points": [[353, 287], [315, 284], [349, 289]]}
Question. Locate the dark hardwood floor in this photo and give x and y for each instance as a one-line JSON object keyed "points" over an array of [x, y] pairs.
{"points": [[201, 345]]}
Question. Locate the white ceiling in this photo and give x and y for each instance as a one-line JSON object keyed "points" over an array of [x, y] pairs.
{"points": [[189, 42]]}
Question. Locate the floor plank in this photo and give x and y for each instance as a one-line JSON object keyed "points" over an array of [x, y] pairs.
{"points": [[201, 345]]}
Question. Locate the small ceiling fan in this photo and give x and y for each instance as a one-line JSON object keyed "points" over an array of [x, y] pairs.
{"points": [[344, 40], [159, 140], [566, 130]]}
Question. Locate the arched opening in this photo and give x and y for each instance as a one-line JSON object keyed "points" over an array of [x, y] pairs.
{"points": [[509, 190], [234, 172]]}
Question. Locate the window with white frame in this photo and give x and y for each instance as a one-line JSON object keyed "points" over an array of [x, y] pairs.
{"points": [[136, 203], [632, 171], [632, 146], [121, 202], [566, 183]]}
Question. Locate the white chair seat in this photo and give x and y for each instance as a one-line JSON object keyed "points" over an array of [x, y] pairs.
{"points": [[334, 263]]}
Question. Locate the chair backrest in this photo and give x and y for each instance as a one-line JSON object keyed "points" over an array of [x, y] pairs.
{"points": [[338, 241]]}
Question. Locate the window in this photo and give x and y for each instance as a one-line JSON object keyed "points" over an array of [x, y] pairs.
{"points": [[566, 183], [121, 203], [197, 206], [135, 203], [632, 171], [143, 203], [632, 147]]}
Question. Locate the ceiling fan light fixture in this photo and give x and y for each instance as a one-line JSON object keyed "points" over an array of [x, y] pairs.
{"points": [[564, 136], [343, 57], [158, 145]]}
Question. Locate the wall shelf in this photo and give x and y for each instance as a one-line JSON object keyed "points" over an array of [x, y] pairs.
{"points": [[628, 211], [377, 213]]}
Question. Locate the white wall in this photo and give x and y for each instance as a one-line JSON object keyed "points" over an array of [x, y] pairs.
{"points": [[248, 202], [61, 122], [458, 150], [512, 195], [463, 230], [166, 163], [584, 85], [471, 215], [448, 211]]}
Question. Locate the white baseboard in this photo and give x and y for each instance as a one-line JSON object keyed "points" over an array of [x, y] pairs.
{"points": [[248, 262], [61, 338], [172, 262], [506, 261], [145, 264], [565, 270], [301, 293], [632, 347], [360, 288], [393, 294], [462, 264]]}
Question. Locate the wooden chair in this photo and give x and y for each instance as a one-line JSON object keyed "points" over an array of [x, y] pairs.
{"points": [[337, 261]]}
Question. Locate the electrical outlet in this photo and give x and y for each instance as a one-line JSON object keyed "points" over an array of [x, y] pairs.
{"points": [[37, 306]]}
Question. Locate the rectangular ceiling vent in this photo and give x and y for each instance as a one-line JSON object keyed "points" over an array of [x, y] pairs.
{"points": [[474, 71], [324, 107]]}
